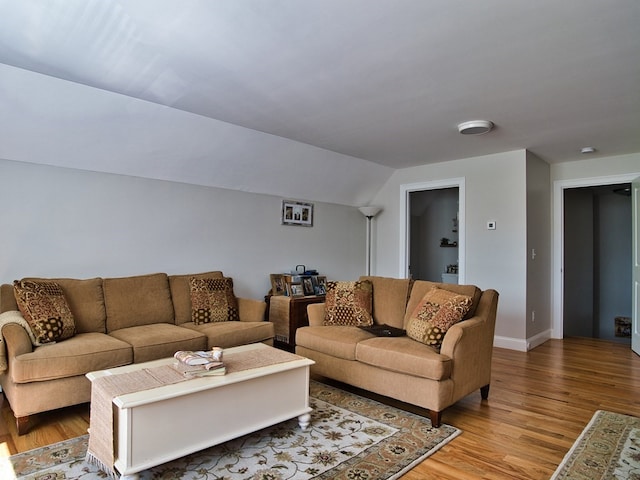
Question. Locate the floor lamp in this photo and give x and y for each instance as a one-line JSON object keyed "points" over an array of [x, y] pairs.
{"points": [[369, 212]]}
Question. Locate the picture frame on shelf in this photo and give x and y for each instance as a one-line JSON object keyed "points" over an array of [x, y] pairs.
{"points": [[278, 285], [307, 285], [320, 285], [295, 290], [297, 213]]}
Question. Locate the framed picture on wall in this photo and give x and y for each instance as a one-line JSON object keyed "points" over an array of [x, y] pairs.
{"points": [[297, 213]]}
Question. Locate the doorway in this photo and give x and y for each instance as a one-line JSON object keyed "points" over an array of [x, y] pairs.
{"points": [[433, 253], [430, 208], [597, 262]]}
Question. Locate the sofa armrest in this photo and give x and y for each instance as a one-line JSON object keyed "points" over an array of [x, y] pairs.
{"points": [[17, 340], [469, 344], [251, 310], [315, 312]]}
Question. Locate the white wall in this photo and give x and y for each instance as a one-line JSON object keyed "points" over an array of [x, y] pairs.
{"points": [[539, 251], [74, 223], [495, 190]]}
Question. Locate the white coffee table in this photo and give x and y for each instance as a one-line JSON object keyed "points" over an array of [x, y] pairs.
{"points": [[155, 426]]}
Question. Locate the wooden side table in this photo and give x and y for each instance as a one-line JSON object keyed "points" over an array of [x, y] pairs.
{"points": [[288, 314]]}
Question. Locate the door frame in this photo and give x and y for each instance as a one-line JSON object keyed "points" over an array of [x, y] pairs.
{"points": [[557, 281], [405, 220]]}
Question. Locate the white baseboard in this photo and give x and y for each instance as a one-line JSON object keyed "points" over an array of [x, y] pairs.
{"points": [[519, 344]]}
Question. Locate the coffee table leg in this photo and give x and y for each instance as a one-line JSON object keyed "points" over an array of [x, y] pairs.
{"points": [[304, 421]]}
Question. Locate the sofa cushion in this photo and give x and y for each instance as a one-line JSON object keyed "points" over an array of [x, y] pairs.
{"points": [[212, 300], [232, 334], [401, 354], [390, 296], [181, 294], [151, 342], [81, 354], [335, 340], [421, 287], [434, 315], [349, 303], [139, 300], [86, 301], [44, 307]]}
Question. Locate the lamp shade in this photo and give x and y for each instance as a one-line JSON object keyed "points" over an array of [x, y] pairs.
{"points": [[370, 211]]}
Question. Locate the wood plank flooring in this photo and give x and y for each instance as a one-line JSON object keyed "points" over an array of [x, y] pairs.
{"points": [[538, 404]]}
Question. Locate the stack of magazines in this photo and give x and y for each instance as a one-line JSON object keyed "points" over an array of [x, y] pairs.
{"points": [[200, 363]]}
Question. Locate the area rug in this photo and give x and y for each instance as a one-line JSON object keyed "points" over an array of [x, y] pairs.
{"points": [[608, 448], [350, 437]]}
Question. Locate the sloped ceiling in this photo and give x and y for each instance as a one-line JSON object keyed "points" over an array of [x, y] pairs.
{"points": [[312, 99]]}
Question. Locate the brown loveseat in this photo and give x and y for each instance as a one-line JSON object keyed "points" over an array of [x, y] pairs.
{"points": [[401, 367], [118, 321]]}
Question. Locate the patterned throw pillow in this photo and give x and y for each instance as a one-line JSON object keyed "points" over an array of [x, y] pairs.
{"points": [[438, 310], [349, 303], [212, 300], [45, 308]]}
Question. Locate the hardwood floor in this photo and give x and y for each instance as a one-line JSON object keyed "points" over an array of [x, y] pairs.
{"points": [[539, 403]]}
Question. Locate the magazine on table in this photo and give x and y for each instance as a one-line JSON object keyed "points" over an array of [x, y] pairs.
{"points": [[200, 363], [189, 357]]}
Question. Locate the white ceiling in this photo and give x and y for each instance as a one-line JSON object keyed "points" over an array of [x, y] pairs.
{"points": [[326, 95]]}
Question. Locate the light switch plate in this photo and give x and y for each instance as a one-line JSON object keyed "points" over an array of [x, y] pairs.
{"points": [[491, 225]]}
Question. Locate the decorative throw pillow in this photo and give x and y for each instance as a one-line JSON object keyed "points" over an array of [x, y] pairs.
{"points": [[438, 310], [45, 308], [349, 303], [212, 300]]}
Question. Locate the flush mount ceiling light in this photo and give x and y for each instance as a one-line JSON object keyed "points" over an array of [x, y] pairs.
{"points": [[587, 150], [475, 127]]}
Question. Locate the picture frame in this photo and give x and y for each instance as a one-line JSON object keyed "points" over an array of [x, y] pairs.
{"points": [[307, 286], [320, 285], [278, 285], [297, 213], [295, 290]]}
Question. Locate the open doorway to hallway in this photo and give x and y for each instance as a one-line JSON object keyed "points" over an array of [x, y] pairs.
{"points": [[434, 235], [597, 262]]}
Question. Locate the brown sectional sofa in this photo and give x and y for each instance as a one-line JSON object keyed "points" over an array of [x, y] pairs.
{"points": [[118, 321], [400, 367]]}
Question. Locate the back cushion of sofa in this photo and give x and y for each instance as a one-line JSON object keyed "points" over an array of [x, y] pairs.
{"points": [[390, 297], [86, 302], [181, 294], [139, 300], [421, 287], [7, 298]]}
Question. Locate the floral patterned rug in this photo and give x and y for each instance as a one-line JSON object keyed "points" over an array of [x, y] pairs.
{"points": [[350, 437], [608, 448]]}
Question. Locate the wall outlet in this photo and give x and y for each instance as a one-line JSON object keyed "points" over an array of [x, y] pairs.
{"points": [[533, 316], [491, 225]]}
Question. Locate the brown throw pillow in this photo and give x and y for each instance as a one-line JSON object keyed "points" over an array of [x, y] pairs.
{"points": [[45, 308], [349, 303], [212, 300], [438, 310]]}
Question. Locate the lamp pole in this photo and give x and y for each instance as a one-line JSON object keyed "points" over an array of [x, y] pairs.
{"points": [[369, 212]]}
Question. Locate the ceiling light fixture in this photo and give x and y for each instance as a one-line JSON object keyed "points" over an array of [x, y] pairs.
{"points": [[475, 127], [587, 150]]}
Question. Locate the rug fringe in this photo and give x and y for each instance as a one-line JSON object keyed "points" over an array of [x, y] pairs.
{"points": [[93, 460]]}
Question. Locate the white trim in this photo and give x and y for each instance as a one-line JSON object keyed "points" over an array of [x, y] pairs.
{"points": [[405, 190], [519, 344], [557, 280]]}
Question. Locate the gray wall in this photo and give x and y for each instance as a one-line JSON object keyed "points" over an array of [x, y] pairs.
{"points": [[74, 223]]}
